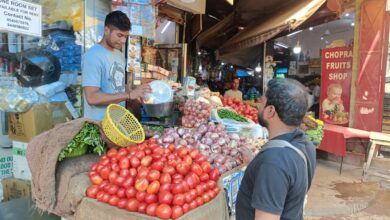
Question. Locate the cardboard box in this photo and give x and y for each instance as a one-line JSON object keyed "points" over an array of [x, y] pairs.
{"points": [[42, 117], [15, 188], [21, 170], [5, 162]]}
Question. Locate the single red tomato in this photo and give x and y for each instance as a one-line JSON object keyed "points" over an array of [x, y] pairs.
{"points": [[129, 182], [142, 172], [168, 169], [194, 153], [153, 187], [183, 168], [104, 160], [212, 184], [166, 151], [204, 177], [156, 157], [114, 160], [124, 163], [205, 187], [214, 174], [103, 185], [148, 151], [113, 189], [131, 192], [112, 176], [146, 161], [187, 159], [92, 173], [217, 190], [197, 169], [133, 172], [185, 186], [171, 157], [158, 150], [135, 162], [158, 165], [151, 198], [177, 212], [165, 187], [106, 197], [199, 190], [206, 167], [115, 167], [211, 194], [177, 188], [94, 166], [182, 151], [202, 158], [112, 152], [165, 197], [120, 180], [199, 201], [121, 193], [141, 184], [186, 207], [193, 205], [140, 196], [206, 197], [191, 181], [172, 147], [142, 208], [151, 209], [96, 179], [193, 193], [172, 163], [92, 191], [123, 152], [178, 199], [140, 154], [124, 173], [153, 175], [177, 176], [165, 178], [99, 196], [122, 203], [99, 168], [164, 211], [188, 197], [132, 205], [113, 200]]}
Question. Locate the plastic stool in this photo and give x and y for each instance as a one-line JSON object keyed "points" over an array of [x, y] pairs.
{"points": [[376, 138]]}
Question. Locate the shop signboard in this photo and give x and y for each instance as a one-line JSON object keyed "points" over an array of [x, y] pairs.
{"points": [[336, 76], [21, 17]]}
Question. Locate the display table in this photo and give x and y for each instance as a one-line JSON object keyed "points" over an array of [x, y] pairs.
{"points": [[335, 138]]}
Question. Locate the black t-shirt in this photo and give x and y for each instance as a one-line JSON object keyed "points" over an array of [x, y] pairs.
{"points": [[274, 180]]}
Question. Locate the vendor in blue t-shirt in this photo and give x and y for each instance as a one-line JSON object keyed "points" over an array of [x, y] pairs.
{"points": [[103, 69], [277, 179]]}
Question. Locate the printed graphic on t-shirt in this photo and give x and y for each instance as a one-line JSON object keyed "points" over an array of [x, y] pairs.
{"points": [[117, 76]]}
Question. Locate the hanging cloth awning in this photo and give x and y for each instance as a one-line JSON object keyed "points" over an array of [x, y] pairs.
{"points": [[290, 17]]}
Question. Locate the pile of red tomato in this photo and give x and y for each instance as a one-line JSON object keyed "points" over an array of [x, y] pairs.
{"points": [[166, 183], [240, 107]]}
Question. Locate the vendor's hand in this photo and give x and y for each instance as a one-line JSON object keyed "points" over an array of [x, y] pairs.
{"points": [[140, 91], [246, 154]]}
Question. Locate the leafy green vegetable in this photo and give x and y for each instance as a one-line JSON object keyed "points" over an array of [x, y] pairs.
{"points": [[315, 135], [227, 114], [88, 140]]}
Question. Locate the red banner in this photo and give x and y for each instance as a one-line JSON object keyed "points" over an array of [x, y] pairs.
{"points": [[336, 75]]}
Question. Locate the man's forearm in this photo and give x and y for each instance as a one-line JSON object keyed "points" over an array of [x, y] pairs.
{"points": [[100, 98]]}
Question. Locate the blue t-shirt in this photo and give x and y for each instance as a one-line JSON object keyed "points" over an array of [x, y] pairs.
{"points": [[104, 69], [274, 180]]}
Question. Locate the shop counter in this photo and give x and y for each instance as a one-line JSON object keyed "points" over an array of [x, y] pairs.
{"points": [[335, 138]]}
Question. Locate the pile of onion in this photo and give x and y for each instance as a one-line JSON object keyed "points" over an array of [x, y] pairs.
{"points": [[195, 113]]}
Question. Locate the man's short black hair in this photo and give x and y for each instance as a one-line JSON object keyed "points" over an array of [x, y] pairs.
{"points": [[119, 20], [289, 98]]}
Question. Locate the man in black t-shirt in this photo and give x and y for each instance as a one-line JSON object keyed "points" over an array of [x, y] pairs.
{"points": [[275, 181]]}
